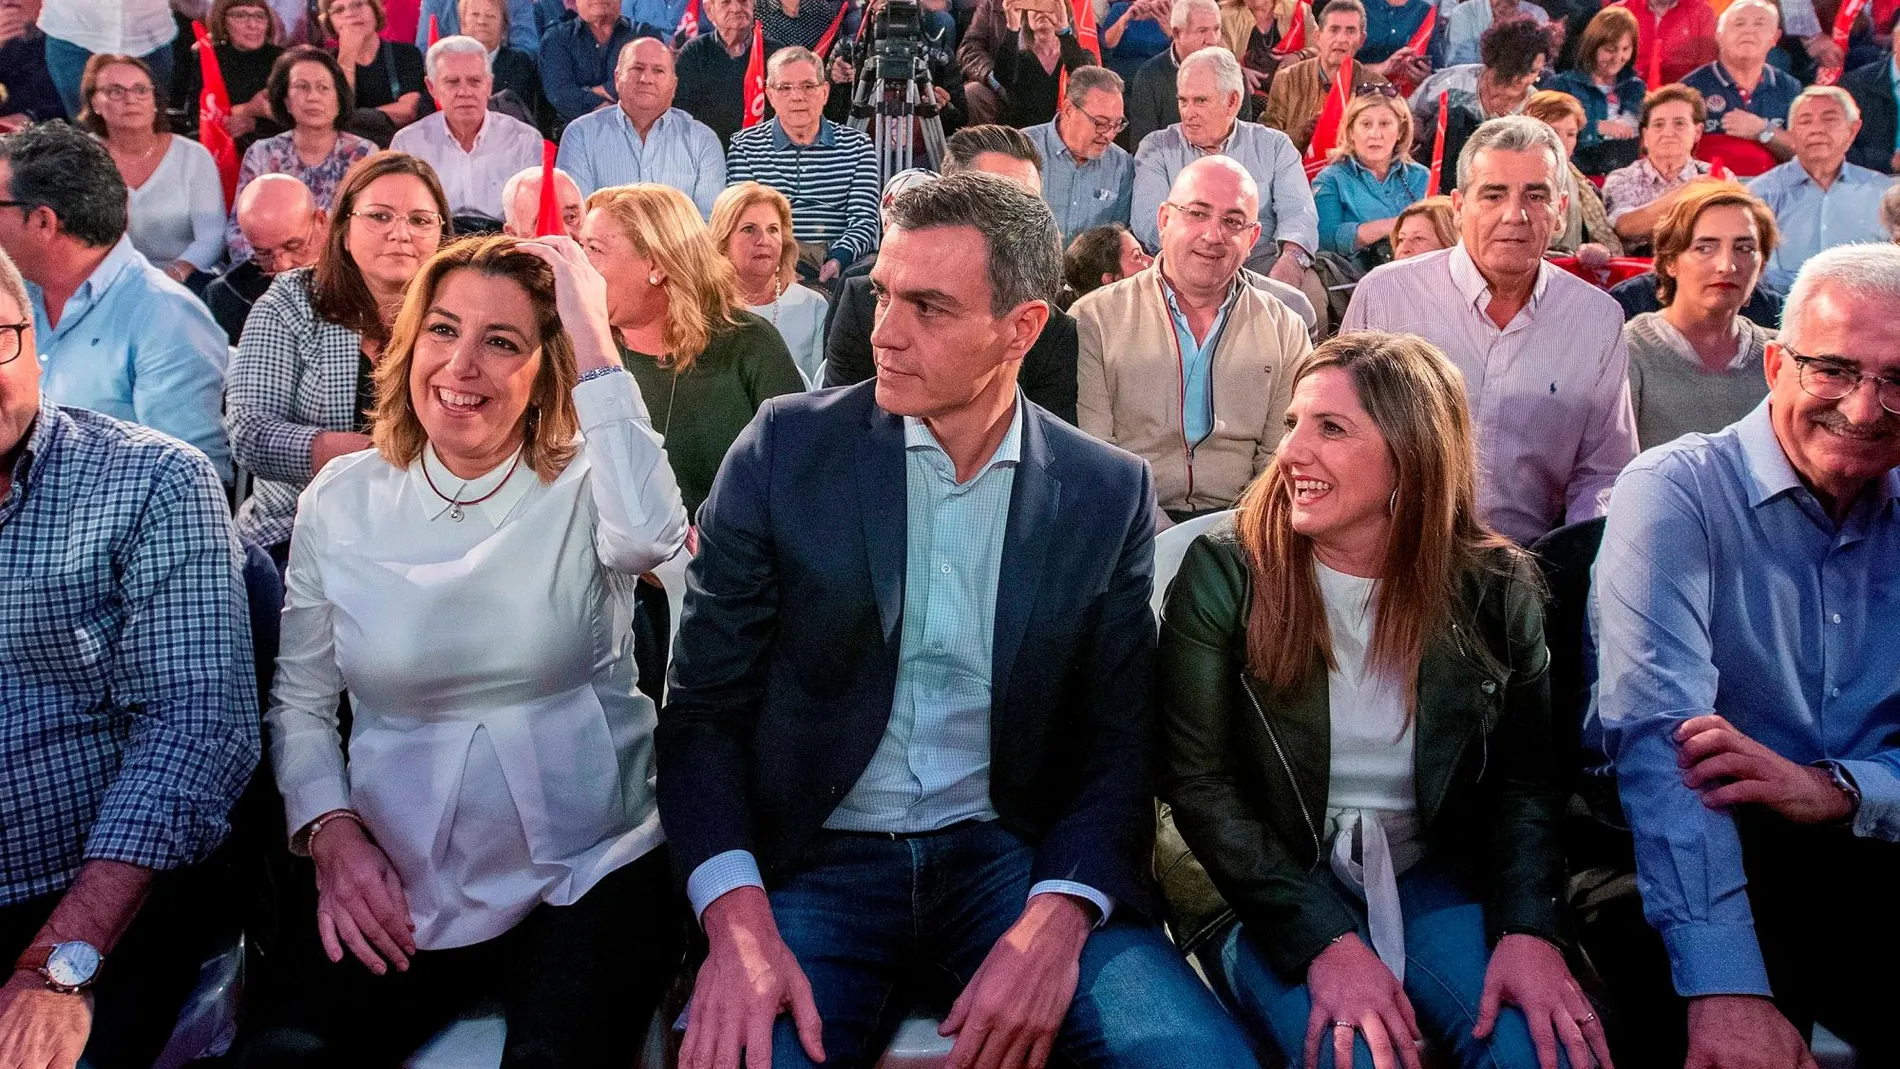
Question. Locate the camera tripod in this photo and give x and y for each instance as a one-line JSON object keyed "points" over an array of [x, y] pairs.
{"points": [[892, 109]]}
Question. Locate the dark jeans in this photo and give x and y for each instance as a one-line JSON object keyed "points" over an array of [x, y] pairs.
{"points": [[876, 921], [1823, 905], [577, 984], [147, 977]]}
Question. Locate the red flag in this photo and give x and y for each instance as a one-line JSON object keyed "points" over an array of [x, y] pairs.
{"points": [[1720, 172], [1843, 28], [435, 30], [689, 23], [547, 220], [1438, 144], [1295, 38], [755, 76], [214, 106], [831, 31], [1655, 59], [1085, 33], [1326, 128], [1062, 85], [1422, 37]]}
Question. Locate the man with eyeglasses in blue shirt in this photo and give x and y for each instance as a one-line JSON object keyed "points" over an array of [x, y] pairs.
{"points": [[1087, 178], [1749, 684]]}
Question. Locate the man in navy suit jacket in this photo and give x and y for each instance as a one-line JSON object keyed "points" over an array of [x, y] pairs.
{"points": [[910, 715]]}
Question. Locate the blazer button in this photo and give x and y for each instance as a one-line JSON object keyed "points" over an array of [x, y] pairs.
{"points": [[1488, 686]]}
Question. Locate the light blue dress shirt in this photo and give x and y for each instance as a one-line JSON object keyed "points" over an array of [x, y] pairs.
{"points": [[665, 14], [602, 149], [1287, 212], [135, 345], [1083, 194], [1812, 219], [1469, 21], [932, 768], [1197, 364], [1723, 587]]}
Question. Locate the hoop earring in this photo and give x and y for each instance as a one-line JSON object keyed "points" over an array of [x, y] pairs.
{"points": [[1392, 503]]}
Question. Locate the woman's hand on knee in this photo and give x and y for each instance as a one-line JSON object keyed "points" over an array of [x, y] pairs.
{"points": [[360, 904], [1355, 994], [1530, 973]]}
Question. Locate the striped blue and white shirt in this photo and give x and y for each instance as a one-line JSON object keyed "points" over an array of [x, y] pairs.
{"points": [[832, 182], [603, 149]]}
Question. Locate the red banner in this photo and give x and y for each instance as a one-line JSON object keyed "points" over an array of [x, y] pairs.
{"points": [[1438, 144], [1326, 127], [214, 106], [547, 218], [1085, 33], [1655, 78], [1422, 37], [689, 24], [755, 76], [1843, 29], [435, 30], [831, 31], [1295, 38]]}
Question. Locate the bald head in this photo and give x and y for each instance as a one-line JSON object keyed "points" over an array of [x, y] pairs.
{"points": [[1220, 182], [521, 200], [1208, 225], [277, 214]]}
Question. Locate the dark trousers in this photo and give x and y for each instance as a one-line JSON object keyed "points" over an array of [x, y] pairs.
{"points": [[577, 984], [1823, 905], [876, 921], [146, 978]]}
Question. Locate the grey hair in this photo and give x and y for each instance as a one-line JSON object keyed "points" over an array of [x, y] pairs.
{"points": [[1224, 67], [1743, 5], [1025, 246], [531, 174], [964, 146], [459, 44], [776, 62], [1178, 14], [1086, 80], [13, 285], [1512, 133], [1868, 271], [1335, 6], [1826, 92], [1890, 211]]}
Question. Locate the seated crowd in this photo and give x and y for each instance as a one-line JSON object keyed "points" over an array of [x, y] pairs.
{"points": [[1524, 377]]}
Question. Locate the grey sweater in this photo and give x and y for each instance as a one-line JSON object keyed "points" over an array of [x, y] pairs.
{"points": [[1676, 395]]}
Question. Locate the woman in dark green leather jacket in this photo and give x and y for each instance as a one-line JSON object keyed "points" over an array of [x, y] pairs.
{"points": [[1357, 738]]}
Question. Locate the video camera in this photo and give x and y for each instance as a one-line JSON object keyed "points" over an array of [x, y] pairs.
{"points": [[896, 50]]}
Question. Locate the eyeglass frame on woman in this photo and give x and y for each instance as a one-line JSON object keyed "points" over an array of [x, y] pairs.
{"points": [[1102, 126], [1825, 363], [19, 340], [117, 93], [434, 222]]}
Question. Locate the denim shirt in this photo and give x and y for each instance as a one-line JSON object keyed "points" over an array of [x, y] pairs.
{"points": [[1347, 194]]}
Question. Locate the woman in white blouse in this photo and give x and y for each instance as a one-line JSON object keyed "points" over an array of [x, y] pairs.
{"points": [[752, 225], [469, 582], [175, 199]]}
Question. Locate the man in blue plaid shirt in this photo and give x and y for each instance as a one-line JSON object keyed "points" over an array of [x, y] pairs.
{"points": [[128, 712]]}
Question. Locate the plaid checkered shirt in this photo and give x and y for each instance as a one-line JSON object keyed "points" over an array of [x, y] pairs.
{"points": [[128, 707]]}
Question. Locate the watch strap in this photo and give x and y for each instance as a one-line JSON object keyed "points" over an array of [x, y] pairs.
{"points": [[34, 958]]}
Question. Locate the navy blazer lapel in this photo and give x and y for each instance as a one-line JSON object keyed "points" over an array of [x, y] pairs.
{"points": [[1034, 503], [882, 509]]}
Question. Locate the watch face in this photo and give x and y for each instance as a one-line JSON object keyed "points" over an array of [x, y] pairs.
{"points": [[73, 964]]}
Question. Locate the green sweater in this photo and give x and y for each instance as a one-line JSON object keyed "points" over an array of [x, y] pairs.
{"points": [[701, 412]]}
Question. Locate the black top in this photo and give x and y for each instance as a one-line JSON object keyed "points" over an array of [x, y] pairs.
{"points": [[711, 83], [23, 73], [1030, 91], [396, 70], [516, 75]]}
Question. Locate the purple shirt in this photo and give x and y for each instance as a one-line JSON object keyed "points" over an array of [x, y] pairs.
{"points": [[1549, 393]]}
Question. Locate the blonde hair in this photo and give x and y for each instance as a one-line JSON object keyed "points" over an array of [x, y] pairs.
{"points": [[736, 200], [1359, 105], [1416, 398], [702, 286], [550, 426]]}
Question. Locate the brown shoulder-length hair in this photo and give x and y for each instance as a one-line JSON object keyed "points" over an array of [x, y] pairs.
{"points": [[550, 426], [216, 23], [734, 201], [1675, 231], [89, 84], [1416, 398], [702, 286], [337, 291], [1604, 29]]}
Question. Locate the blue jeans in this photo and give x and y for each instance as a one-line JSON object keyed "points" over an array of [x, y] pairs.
{"points": [[66, 62], [873, 919], [1445, 960]]}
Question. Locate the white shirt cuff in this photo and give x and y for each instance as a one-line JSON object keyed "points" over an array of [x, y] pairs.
{"points": [[721, 873], [608, 399], [1066, 887]]}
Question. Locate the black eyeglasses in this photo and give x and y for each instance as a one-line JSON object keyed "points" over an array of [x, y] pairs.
{"points": [[26, 204], [1106, 126], [1377, 89], [12, 342], [1827, 378]]}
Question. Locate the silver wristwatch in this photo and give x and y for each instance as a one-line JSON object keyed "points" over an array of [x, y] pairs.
{"points": [[68, 967]]}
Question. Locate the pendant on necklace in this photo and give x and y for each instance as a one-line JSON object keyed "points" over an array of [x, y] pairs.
{"points": [[455, 513]]}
